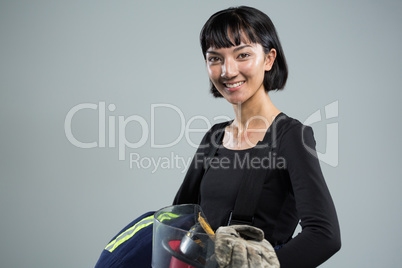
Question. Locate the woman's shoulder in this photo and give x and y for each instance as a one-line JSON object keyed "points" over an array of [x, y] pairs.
{"points": [[285, 123], [218, 128], [287, 127], [214, 134]]}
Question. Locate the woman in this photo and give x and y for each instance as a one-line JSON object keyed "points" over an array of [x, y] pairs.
{"points": [[263, 145]]}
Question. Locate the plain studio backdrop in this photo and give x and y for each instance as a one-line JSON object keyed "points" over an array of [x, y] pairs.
{"points": [[95, 93]]}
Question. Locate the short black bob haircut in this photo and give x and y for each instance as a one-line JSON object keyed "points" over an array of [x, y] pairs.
{"points": [[256, 27]]}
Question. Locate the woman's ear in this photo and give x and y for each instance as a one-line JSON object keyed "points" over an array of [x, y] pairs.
{"points": [[270, 59]]}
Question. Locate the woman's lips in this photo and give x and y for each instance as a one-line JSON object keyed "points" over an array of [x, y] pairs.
{"points": [[233, 86]]}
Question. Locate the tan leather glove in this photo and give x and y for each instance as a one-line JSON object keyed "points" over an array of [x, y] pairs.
{"points": [[243, 246]]}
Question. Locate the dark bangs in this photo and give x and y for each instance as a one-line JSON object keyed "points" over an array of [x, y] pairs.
{"points": [[226, 29]]}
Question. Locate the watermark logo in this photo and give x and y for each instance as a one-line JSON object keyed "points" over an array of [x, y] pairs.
{"points": [[108, 124], [330, 156], [173, 161], [111, 133]]}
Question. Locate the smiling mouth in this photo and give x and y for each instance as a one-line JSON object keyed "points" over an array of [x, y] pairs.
{"points": [[233, 85]]}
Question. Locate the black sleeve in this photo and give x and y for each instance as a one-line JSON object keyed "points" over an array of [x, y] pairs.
{"points": [[320, 236], [189, 191]]}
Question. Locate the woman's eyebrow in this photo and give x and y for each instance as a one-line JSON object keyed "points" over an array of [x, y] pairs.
{"points": [[212, 52], [234, 50], [241, 47]]}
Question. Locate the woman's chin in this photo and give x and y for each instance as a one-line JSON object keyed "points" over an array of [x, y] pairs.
{"points": [[234, 100]]}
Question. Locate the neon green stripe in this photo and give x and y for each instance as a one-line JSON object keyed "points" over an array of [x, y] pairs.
{"points": [[167, 216], [127, 234], [123, 237]]}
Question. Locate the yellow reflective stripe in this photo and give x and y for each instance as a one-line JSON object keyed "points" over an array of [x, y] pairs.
{"points": [[129, 233], [167, 216]]}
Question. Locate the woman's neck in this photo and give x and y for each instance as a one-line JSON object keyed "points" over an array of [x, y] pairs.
{"points": [[256, 113]]}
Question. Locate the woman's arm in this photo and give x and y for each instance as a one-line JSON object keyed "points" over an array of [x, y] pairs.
{"points": [[190, 189], [320, 236]]}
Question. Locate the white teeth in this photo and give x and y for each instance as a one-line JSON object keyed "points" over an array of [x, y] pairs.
{"points": [[234, 85]]}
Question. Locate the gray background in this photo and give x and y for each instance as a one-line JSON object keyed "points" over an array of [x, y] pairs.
{"points": [[60, 204]]}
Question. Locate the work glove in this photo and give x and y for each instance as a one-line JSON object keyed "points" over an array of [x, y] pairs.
{"points": [[243, 246]]}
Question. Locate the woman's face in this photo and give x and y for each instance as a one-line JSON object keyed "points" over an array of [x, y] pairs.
{"points": [[238, 72]]}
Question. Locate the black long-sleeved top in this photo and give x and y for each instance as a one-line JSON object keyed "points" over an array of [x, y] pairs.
{"points": [[294, 189]]}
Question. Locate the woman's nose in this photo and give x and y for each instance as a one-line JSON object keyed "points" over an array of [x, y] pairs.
{"points": [[229, 69]]}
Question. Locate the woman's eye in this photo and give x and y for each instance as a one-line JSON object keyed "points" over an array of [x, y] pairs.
{"points": [[243, 55], [213, 59]]}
